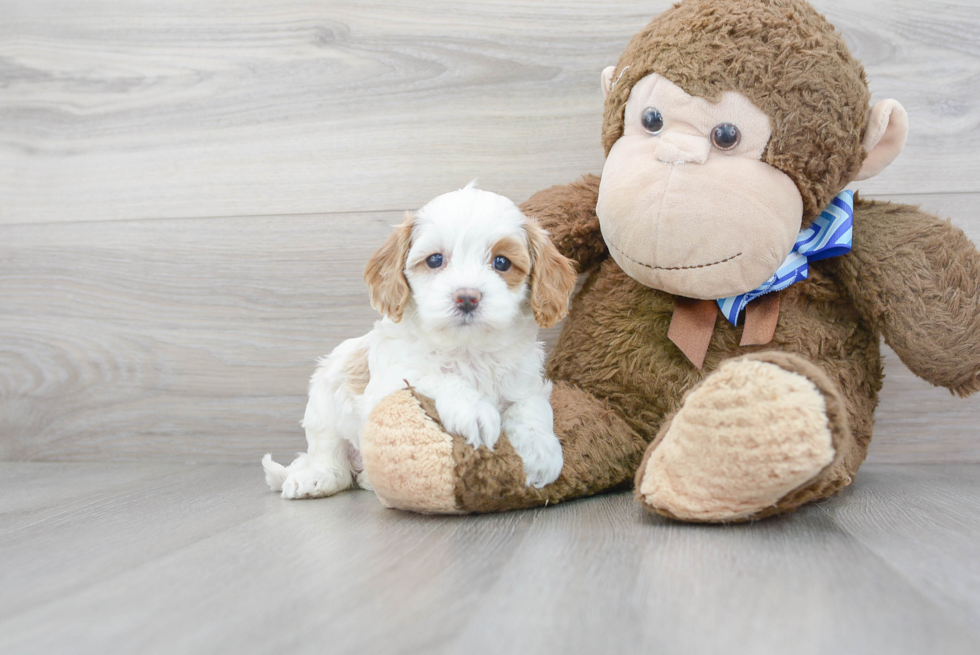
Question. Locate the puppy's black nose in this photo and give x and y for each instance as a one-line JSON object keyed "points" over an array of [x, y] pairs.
{"points": [[466, 300]]}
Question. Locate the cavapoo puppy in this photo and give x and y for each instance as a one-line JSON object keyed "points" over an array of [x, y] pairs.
{"points": [[463, 286]]}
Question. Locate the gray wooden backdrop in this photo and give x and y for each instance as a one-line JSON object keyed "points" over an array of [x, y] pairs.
{"points": [[189, 191]]}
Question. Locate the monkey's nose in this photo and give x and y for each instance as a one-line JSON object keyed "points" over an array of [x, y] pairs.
{"points": [[682, 149], [467, 300]]}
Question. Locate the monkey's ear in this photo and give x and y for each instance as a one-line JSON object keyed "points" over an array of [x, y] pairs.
{"points": [[385, 272], [884, 137], [607, 79], [552, 278]]}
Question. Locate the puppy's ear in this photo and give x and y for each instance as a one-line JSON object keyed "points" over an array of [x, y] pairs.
{"points": [[385, 272], [552, 277]]}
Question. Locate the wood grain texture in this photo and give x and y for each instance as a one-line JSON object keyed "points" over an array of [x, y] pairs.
{"points": [[101, 521], [917, 519], [204, 559], [186, 339], [193, 340], [188, 194], [126, 109]]}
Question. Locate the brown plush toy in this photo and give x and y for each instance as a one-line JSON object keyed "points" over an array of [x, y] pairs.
{"points": [[723, 352]]}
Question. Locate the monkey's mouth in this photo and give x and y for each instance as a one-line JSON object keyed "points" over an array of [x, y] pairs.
{"points": [[673, 268]]}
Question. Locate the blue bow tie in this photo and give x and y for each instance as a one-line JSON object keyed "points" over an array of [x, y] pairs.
{"points": [[828, 236]]}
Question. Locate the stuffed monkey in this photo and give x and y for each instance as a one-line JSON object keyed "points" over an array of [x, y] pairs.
{"points": [[723, 354]]}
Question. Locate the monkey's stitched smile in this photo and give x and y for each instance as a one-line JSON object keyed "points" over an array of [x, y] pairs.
{"points": [[674, 268]]}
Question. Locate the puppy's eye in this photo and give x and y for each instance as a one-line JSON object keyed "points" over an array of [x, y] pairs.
{"points": [[653, 121], [501, 263], [434, 261]]}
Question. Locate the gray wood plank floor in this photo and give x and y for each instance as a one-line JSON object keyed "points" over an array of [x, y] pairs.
{"points": [[171, 558]]}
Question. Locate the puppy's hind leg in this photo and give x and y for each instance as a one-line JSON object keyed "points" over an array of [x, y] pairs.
{"points": [[330, 421], [314, 474], [321, 472]]}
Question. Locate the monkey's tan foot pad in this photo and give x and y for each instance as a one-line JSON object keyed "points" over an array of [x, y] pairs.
{"points": [[744, 443], [408, 457], [414, 465]]}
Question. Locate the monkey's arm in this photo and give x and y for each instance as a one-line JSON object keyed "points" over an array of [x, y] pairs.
{"points": [[916, 278], [568, 213]]}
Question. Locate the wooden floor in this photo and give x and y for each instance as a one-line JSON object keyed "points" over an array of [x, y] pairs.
{"points": [[170, 558], [188, 193]]}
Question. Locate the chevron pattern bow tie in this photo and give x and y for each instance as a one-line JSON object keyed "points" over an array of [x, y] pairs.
{"points": [[828, 236]]}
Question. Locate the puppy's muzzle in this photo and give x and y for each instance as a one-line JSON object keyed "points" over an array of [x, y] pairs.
{"points": [[466, 300]]}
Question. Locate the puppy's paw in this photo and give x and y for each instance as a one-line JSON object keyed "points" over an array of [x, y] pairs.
{"points": [[488, 418], [308, 479], [314, 483], [540, 452], [477, 422]]}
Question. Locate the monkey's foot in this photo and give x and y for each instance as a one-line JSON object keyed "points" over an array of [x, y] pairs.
{"points": [[413, 464], [757, 437], [408, 457]]}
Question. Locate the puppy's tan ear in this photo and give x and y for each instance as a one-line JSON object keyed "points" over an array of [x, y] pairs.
{"points": [[552, 278], [385, 272]]}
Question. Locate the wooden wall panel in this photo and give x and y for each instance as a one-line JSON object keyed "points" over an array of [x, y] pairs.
{"points": [[125, 109], [193, 340], [172, 338], [188, 191]]}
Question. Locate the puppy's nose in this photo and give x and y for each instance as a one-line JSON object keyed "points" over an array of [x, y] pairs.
{"points": [[466, 300]]}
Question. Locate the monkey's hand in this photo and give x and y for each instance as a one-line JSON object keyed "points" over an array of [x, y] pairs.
{"points": [[916, 278], [568, 213]]}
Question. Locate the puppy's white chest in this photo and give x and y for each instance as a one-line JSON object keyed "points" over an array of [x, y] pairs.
{"points": [[479, 370]]}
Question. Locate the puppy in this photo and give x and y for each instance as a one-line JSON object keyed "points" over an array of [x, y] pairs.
{"points": [[463, 286]]}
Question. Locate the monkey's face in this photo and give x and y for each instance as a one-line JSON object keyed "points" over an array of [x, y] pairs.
{"points": [[686, 204]]}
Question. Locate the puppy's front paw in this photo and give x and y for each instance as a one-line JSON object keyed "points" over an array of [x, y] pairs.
{"points": [[477, 422], [540, 452], [488, 418]]}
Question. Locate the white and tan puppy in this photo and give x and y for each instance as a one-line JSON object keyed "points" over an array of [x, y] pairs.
{"points": [[463, 286]]}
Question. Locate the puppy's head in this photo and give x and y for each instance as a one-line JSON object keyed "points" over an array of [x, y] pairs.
{"points": [[470, 260]]}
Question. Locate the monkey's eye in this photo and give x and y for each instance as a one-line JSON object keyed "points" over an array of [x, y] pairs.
{"points": [[434, 261], [653, 121], [501, 263], [725, 136]]}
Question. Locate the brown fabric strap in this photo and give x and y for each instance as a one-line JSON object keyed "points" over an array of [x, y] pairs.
{"points": [[691, 327], [761, 316]]}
